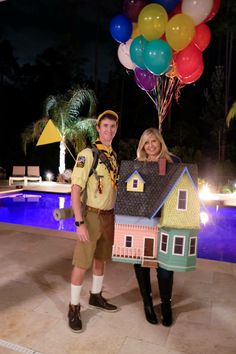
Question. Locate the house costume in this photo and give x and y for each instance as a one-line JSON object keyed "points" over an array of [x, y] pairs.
{"points": [[157, 219]]}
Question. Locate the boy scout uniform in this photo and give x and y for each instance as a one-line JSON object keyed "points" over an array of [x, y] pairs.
{"points": [[99, 210]]}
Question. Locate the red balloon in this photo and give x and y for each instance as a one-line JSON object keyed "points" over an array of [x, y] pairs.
{"points": [[188, 60], [194, 76], [177, 10], [202, 36], [214, 10]]}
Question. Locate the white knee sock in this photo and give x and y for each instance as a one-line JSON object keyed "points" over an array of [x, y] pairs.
{"points": [[75, 294], [97, 284]]}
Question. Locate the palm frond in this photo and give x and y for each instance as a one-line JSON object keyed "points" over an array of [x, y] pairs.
{"points": [[80, 99], [83, 134], [33, 132], [26, 137], [38, 127], [231, 114], [49, 103]]}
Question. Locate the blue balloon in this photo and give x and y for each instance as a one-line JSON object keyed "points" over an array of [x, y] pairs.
{"points": [[168, 5], [121, 28], [136, 51], [157, 56]]}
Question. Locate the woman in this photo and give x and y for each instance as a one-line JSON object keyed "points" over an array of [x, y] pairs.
{"points": [[152, 147]]}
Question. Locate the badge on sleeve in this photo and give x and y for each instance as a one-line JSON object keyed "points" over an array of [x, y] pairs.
{"points": [[80, 161]]}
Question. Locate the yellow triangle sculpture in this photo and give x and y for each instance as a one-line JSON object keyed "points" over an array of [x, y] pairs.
{"points": [[50, 134]]}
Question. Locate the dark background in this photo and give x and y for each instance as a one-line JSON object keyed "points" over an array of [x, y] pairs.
{"points": [[47, 47]]}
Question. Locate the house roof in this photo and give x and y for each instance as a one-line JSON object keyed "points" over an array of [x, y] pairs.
{"points": [[157, 188]]}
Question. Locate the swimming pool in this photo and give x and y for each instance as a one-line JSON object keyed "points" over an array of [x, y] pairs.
{"points": [[216, 241], [35, 209]]}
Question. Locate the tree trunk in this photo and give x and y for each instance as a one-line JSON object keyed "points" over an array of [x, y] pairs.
{"points": [[62, 157]]}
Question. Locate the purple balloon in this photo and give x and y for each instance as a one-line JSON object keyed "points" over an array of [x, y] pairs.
{"points": [[144, 79], [132, 8]]}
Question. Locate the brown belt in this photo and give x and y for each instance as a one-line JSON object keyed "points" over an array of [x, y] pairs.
{"points": [[99, 211]]}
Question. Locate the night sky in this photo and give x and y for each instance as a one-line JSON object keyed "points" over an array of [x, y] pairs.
{"points": [[33, 26]]}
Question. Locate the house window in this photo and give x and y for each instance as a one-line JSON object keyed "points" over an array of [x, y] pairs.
{"points": [[135, 183], [164, 243], [128, 241], [193, 246], [182, 200], [178, 245]]}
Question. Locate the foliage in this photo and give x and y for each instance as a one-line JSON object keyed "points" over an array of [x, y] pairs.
{"points": [[187, 154], [127, 149], [219, 173], [226, 189], [231, 114], [72, 113], [213, 116]]}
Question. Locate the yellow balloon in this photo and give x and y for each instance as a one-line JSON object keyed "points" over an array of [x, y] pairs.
{"points": [[152, 21], [180, 31], [135, 32]]}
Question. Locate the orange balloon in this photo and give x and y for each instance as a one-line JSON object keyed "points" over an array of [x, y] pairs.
{"points": [[136, 31]]}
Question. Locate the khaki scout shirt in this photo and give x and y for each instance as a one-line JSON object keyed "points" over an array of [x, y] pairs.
{"points": [[104, 200]]}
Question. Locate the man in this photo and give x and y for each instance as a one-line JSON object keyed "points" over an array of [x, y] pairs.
{"points": [[95, 220]]}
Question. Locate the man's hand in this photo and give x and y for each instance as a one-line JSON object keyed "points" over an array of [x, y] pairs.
{"points": [[82, 233]]}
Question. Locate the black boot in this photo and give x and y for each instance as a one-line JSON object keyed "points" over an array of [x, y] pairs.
{"points": [[144, 282], [165, 282]]}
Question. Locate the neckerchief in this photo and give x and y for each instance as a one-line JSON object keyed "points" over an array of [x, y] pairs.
{"points": [[112, 165]]}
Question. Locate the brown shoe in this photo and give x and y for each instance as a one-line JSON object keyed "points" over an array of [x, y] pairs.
{"points": [[74, 318], [98, 301]]}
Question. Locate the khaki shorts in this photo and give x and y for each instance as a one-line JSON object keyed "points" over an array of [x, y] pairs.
{"points": [[101, 233]]}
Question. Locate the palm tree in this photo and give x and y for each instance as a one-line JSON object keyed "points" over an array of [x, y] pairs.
{"points": [[231, 114], [73, 114]]}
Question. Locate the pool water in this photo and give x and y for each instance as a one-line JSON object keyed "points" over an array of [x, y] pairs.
{"points": [[35, 209], [216, 240]]}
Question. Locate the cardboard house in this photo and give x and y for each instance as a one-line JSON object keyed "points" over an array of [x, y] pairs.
{"points": [[157, 215]]}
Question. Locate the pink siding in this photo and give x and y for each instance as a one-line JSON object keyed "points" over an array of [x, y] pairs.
{"points": [[138, 234]]}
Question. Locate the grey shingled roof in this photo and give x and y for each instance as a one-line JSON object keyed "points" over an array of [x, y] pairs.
{"points": [[156, 187]]}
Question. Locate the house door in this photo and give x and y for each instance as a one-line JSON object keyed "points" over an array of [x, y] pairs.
{"points": [[148, 247]]}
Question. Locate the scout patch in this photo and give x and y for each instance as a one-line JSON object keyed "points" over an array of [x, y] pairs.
{"points": [[81, 161]]}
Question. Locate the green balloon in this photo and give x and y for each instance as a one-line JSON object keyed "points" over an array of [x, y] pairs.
{"points": [[136, 51], [157, 56]]}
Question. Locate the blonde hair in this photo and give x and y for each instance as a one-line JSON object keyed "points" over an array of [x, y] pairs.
{"points": [[141, 154]]}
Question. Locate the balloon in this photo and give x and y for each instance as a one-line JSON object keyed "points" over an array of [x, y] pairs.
{"points": [[177, 10], [180, 30], [132, 8], [136, 31], [157, 56], [120, 28], [197, 9], [124, 56], [152, 21], [188, 60], [194, 76], [145, 79], [168, 5], [202, 36], [172, 70], [136, 51], [214, 10]]}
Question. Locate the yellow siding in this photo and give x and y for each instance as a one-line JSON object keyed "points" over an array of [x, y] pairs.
{"points": [[140, 186], [190, 218]]}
